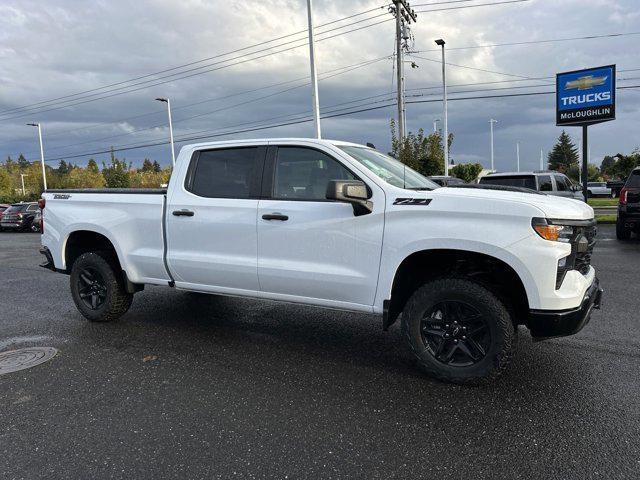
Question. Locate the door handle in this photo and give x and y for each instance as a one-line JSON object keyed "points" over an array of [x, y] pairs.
{"points": [[183, 213], [275, 216]]}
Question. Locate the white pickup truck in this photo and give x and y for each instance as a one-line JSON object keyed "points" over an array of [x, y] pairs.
{"points": [[343, 226]]}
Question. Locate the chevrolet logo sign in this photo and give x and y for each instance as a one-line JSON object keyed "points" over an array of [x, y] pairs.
{"points": [[585, 83]]}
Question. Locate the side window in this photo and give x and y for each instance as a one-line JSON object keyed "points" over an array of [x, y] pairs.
{"points": [[224, 173], [545, 183], [32, 208], [562, 183], [303, 174]]}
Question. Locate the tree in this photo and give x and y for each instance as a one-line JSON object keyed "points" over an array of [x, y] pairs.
{"points": [[564, 154], [625, 163], [147, 166], [607, 164], [423, 154], [467, 172], [84, 178], [92, 166], [63, 168], [116, 175], [23, 163], [156, 167], [593, 174]]}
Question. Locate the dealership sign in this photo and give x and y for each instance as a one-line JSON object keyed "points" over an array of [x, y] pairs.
{"points": [[584, 97]]}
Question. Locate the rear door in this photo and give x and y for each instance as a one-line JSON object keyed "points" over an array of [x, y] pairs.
{"points": [[211, 221], [310, 247]]}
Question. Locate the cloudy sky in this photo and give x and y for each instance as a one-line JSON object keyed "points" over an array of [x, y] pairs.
{"points": [[87, 70]]}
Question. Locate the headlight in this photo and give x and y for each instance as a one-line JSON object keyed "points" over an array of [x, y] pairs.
{"points": [[552, 232]]}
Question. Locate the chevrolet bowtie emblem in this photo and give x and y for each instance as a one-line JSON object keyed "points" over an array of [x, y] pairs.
{"points": [[585, 83]]}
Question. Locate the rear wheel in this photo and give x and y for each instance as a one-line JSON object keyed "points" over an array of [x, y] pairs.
{"points": [[458, 331], [97, 288], [622, 232]]}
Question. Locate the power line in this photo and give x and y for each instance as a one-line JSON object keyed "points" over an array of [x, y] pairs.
{"points": [[147, 85], [350, 112]]}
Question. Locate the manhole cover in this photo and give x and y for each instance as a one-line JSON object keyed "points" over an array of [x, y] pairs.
{"points": [[24, 358]]}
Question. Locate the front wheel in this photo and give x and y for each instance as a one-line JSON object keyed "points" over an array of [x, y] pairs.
{"points": [[458, 330], [97, 289]]}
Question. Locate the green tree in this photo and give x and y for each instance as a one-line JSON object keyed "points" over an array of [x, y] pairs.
{"points": [[593, 174], [84, 178], [92, 166], [23, 163], [10, 165], [607, 164], [564, 154], [625, 163], [466, 171], [63, 168], [422, 153], [147, 166], [156, 167], [7, 193], [116, 175]]}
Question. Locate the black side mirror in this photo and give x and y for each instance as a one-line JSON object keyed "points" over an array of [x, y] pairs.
{"points": [[350, 191]]}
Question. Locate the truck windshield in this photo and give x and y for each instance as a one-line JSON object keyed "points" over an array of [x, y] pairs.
{"points": [[389, 169]]}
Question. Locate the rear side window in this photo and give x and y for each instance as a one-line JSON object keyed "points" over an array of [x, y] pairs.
{"points": [[304, 173], [224, 173], [562, 183], [634, 180], [526, 181], [32, 208], [544, 181], [16, 208]]}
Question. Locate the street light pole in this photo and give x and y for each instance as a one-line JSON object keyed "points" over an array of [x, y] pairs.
{"points": [[435, 125], [491, 122], [441, 43], [173, 153], [518, 155], [44, 173], [541, 159], [22, 175], [314, 78]]}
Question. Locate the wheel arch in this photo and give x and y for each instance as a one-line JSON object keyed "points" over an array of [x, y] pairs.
{"points": [[420, 266]]}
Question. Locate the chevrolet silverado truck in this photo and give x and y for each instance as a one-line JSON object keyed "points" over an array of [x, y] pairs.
{"points": [[337, 225]]}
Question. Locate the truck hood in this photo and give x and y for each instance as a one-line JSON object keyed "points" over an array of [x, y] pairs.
{"points": [[552, 206]]}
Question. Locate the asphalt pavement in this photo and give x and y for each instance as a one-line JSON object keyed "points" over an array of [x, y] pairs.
{"points": [[189, 386]]}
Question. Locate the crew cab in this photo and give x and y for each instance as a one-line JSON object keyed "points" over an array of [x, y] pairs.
{"points": [[343, 226]]}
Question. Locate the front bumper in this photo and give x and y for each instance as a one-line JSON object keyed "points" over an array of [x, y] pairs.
{"points": [[545, 324]]}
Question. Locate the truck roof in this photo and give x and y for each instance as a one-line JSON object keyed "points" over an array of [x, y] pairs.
{"points": [[274, 140]]}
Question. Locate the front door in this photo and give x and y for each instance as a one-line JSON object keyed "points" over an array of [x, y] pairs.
{"points": [[211, 221], [309, 247]]}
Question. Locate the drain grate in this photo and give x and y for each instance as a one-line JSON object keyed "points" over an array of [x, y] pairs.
{"points": [[16, 360]]}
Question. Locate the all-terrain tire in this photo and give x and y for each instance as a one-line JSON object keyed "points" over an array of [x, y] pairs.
{"points": [[114, 301], [499, 336]]}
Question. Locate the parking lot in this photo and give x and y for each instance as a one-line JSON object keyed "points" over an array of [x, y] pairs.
{"points": [[186, 386]]}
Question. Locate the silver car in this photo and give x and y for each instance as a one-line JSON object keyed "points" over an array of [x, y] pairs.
{"points": [[549, 182], [598, 189]]}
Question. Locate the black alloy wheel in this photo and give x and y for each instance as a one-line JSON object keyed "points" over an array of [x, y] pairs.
{"points": [[92, 288], [456, 333]]}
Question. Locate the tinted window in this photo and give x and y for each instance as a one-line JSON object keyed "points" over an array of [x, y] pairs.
{"points": [[17, 208], [225, 173], [544, 182], [634, 180], [562, 183], [32, 208], [303, 173], [2, 209], [526, 181]]}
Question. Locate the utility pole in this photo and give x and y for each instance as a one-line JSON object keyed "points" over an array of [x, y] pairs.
{"points": [[22, 175], [491, 122], [440, 42], [518, 155], [173, 152], [542, 160], [314, 78], [404, 16], [44, 172]]}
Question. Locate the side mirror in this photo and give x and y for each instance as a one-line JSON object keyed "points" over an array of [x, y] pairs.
{"points": [[350, 191]]}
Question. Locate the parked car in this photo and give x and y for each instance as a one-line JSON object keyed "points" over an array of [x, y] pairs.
{"points": [[343, 226], [3, 207], [19, 216], [629, 207], [615, 186], [552, 183], [445, 181], [598, 189]]}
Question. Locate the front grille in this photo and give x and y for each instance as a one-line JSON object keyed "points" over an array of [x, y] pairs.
{"points": [[583, 259]]}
